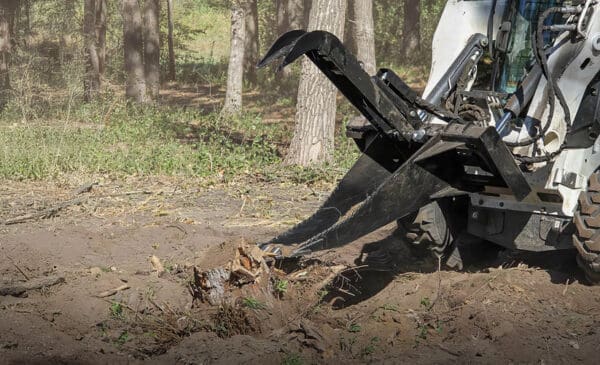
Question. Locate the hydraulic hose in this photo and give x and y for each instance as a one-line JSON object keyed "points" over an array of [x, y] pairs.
{"points": [[554, 91]]}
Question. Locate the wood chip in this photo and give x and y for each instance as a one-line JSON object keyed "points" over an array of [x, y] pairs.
{"points": [[110, 293], [157, 265]]}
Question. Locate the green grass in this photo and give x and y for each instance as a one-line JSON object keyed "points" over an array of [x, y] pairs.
{"points": [[123, 338], [109, 137], [204, 28], [253, 303], [116, 309], [355, 327], [292, 359], [136, 140], [281, 286]]}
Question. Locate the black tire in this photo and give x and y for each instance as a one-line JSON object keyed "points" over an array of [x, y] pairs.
{"points": [[427, 231], [587, 224]]}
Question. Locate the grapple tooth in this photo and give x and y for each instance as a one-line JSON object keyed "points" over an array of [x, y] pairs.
{"points": [[281, 47], [313, 41]]}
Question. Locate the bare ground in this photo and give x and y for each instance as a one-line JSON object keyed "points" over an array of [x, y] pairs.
{"points": [[505, 309]]}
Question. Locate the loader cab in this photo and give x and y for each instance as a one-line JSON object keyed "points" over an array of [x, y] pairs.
{"points": [[515, 41]]}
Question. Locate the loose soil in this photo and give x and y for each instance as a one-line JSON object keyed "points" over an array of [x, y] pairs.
{"points": [[504, 308]]}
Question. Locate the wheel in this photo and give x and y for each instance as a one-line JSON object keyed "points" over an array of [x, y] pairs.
{"points": [[427, 231], [587, 223]]}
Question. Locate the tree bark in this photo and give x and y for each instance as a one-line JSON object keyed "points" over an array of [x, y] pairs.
{"points": [[152, 48], [65, 48], [135, 88], [307, 9], [235, 71], [5, 49], [91, 82], [101, 18], [282, 16], [313, 140], [296, 18], [364, 34], [291, 15], [170, 40], [251, 41], [27, 16], [411, 32]]}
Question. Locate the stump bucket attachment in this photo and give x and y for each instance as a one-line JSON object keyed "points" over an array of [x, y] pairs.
{"points": [[406, 163]]}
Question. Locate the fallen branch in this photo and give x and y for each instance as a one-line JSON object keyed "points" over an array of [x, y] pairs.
{"points": [[451, 352], [127, 193], [18, 289], [335, 271], [46, 213], [18, 268], [85, 188], [110, 293]]}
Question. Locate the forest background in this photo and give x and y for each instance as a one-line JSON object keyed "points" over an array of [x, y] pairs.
{"points": [[104, 87]]}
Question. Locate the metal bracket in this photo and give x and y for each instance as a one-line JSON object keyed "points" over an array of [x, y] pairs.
{"points": [[582, 22], [569, 179]]}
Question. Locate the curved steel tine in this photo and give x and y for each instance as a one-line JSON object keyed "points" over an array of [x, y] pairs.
{"points": [[281, 47], [319, 40]]}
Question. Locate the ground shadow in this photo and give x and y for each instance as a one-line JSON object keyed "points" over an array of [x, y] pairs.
{"points": [[383, 260]]}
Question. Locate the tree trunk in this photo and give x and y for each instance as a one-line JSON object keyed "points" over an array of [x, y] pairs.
{"points": [[235, 71], [313, 139], [296, 18], [5, 49], [364, 34], [251, 41], [390, 45], [170, 40], [291, 15], [27, 17], [65, 47], [135, 88], [91, 82], [101, 14], [307, 9], [281, 8], [411, 32], [152, 47]]}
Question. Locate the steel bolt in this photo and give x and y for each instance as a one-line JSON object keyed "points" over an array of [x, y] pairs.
{"points": [[418, 135], [596, 42]]}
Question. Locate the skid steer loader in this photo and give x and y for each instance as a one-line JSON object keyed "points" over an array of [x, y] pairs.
{"points": [[504, 144]]}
